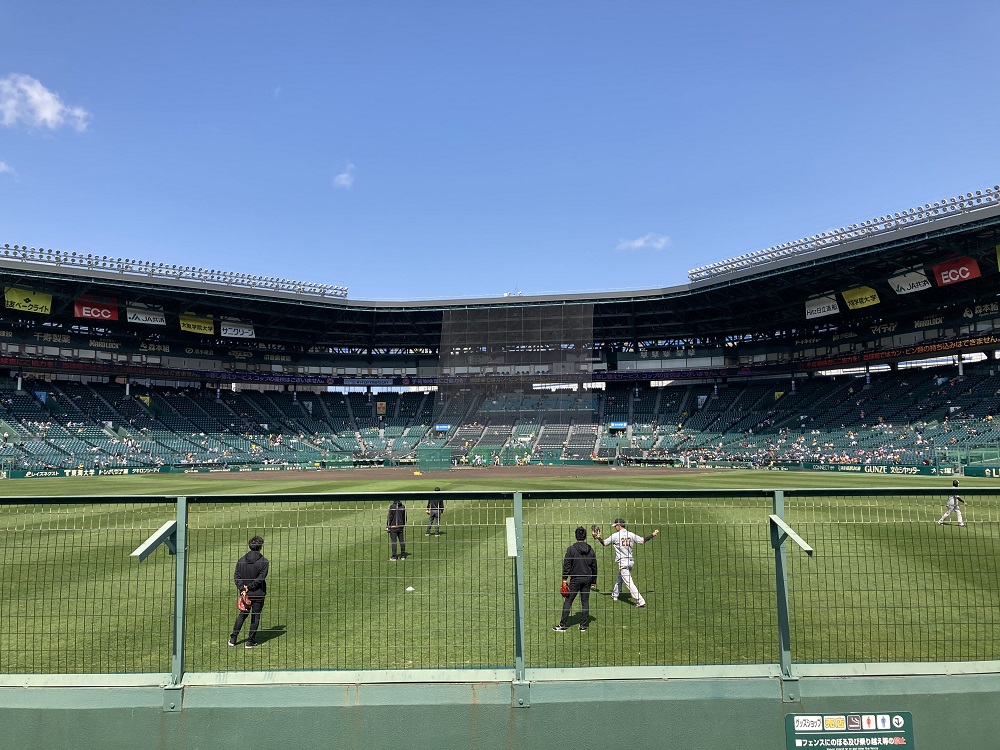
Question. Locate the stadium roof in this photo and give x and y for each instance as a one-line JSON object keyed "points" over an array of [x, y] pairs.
{"points": [[758, 296]]}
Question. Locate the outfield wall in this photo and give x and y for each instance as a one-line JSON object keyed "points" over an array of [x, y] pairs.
{"points": [[697, 713]]}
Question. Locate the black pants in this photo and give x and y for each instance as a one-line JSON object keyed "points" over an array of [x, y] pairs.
{"points": [[256, 606], [577, 586], [434, 517], [394, 536]]}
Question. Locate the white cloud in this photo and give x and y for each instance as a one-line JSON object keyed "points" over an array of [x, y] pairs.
{"points": [[646, 242], [346, 178], [24, 100], [5, 167]]}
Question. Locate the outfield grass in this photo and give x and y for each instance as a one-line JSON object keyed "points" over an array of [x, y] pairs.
{"points": [[886, 584], [360, 480]]}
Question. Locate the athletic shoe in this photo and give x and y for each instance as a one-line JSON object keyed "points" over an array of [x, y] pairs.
{"points": [[940, 523], [251, 644], [427, 533], [393, 558], [232, 641], [583, 628], [614, 598], [559, 628], [437, 533], [961, 524]]}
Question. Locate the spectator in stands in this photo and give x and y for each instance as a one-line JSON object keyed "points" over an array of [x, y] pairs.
{"points": [[394, 524], [435, 508], [250, 577]]}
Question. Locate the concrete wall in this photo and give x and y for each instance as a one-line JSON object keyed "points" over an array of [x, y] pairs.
{"points": [[741, 711]]}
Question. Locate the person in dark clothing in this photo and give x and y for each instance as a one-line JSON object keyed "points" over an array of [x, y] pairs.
{"points": [[394, 524], [580, 573], [249, 576], [435, 507]]}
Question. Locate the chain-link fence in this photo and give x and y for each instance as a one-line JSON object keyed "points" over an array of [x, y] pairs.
{"points": [[707, 579], [887, 583], [70, 602]]}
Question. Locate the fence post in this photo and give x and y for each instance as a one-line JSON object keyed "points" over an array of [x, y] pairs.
{"points": [[520, 697], [781, 589], [780, 533], [180, 588]]}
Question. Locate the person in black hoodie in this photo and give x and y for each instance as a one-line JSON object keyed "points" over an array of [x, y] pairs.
{"points": [[394, 524], [249, 576], [435, 507], [580, 573]]}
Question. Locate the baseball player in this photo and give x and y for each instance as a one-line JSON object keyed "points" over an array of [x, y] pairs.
{"points": [[953, 501], [623, 541]]}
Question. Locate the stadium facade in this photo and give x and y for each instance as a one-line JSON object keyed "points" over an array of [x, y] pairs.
{"points": [[864, 292], [106, 350]]}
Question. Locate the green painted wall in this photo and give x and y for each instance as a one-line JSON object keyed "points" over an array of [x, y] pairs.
{"points": [[712, 713]]}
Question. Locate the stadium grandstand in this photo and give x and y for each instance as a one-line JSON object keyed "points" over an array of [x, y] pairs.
{"points": [[874, 343]]}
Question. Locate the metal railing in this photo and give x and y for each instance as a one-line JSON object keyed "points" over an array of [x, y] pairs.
{"points": [[723, 584]]}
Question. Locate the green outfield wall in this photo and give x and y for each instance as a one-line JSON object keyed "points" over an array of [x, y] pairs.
{"points": [[738, 711]]}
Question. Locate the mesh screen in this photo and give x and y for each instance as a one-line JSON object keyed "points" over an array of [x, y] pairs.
{"points": [[71, 599], [887, 583], [707, 579], [526, 345], [335, 599]]}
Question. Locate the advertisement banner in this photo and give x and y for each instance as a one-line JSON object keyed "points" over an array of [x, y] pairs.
{"points": [[818, 307], [95, 309], [955, 271], [231, 328], [202, 325], [845, 729], [147, 315], [911, 281], [862, 296], [27, 300]]}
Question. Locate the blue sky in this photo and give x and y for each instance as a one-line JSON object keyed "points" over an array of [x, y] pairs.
{"points": [[425, 150]]}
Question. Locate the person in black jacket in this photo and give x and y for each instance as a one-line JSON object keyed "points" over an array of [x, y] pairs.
{"points": [[394, 524], [249, 576], [580, 574]]}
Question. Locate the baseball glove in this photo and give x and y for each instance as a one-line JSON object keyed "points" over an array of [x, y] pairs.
{"points": [[595, 531], [564, 589]]}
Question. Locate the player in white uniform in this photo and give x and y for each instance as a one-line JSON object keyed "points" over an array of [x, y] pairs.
{"points": [[623, 541], [953, 501]]}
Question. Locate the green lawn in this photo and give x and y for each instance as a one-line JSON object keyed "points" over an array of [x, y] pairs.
{"points": [[886, 583]]}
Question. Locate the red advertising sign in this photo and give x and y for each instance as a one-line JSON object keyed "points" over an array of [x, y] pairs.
{"points": [[954, 271], [93, 309]]}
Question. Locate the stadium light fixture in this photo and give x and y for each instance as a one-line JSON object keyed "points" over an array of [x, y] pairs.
{"points": [[61, 258], [871, 227]]}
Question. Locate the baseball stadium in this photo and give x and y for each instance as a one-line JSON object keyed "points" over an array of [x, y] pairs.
{"points": [[792, 423]]}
